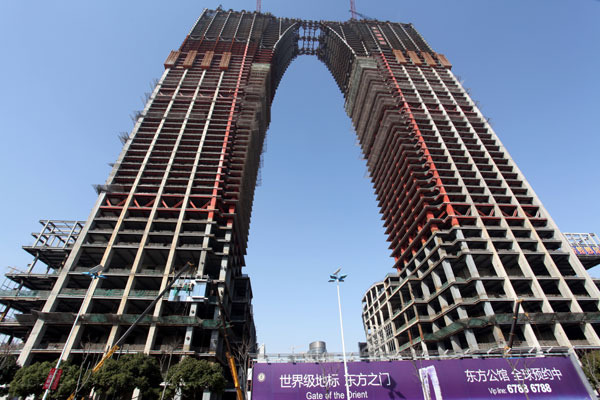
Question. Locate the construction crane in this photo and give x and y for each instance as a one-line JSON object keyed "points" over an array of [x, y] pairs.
{"points": [[258, 4], [121, 340], [228, 354], [363, 16], [353, 12]]}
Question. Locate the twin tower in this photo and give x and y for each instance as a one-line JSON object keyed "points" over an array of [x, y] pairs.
{"points": [[468, 235]]}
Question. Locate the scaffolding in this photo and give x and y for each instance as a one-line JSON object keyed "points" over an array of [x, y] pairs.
{"points": [[54, 242], [586, 246]]}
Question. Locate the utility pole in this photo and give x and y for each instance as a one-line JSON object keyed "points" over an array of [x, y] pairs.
{"points": [[511, 336], [95, 272]]}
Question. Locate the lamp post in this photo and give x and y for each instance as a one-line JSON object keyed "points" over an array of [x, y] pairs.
{"points": [[335, 277], [94, 273]]}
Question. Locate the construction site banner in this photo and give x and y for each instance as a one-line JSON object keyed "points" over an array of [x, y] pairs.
{"points": [[503, 378]]}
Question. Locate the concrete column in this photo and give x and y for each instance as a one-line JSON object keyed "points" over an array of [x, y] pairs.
{"points": [[530, 336], [471, 339]]}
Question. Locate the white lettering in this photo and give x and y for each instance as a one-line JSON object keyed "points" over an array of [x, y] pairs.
{"points": [[314, 396]]}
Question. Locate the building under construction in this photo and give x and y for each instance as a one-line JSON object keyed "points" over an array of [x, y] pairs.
{"points": [[467, 232]]}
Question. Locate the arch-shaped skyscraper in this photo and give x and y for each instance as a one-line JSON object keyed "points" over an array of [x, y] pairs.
{"points": [[468, 234]]}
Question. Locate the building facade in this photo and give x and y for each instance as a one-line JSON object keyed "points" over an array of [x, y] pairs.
{"points": [[468, 235]]}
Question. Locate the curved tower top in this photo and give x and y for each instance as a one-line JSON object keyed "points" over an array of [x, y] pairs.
{"points": [[469, 236]]}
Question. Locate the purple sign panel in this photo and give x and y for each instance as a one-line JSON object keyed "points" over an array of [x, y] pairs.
{"points": [[503, 378]]}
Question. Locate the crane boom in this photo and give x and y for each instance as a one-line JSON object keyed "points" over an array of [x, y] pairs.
{"points": [[228, 354], [120, 341]]}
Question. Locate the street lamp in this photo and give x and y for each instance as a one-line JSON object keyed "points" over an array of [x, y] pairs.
{"points": [[94, 273], [335, 277]]}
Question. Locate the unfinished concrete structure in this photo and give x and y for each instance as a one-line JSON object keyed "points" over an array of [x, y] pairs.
{"points": [[404, 313], [468, 234]]}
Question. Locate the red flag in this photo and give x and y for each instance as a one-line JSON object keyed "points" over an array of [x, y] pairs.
{"points": [[49, 379]]}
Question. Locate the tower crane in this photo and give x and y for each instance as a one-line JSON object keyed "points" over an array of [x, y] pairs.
{"points": [[353, 12], [363, 16]]}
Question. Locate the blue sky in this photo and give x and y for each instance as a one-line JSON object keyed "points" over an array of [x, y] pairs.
{"points": [[72, 72]]}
